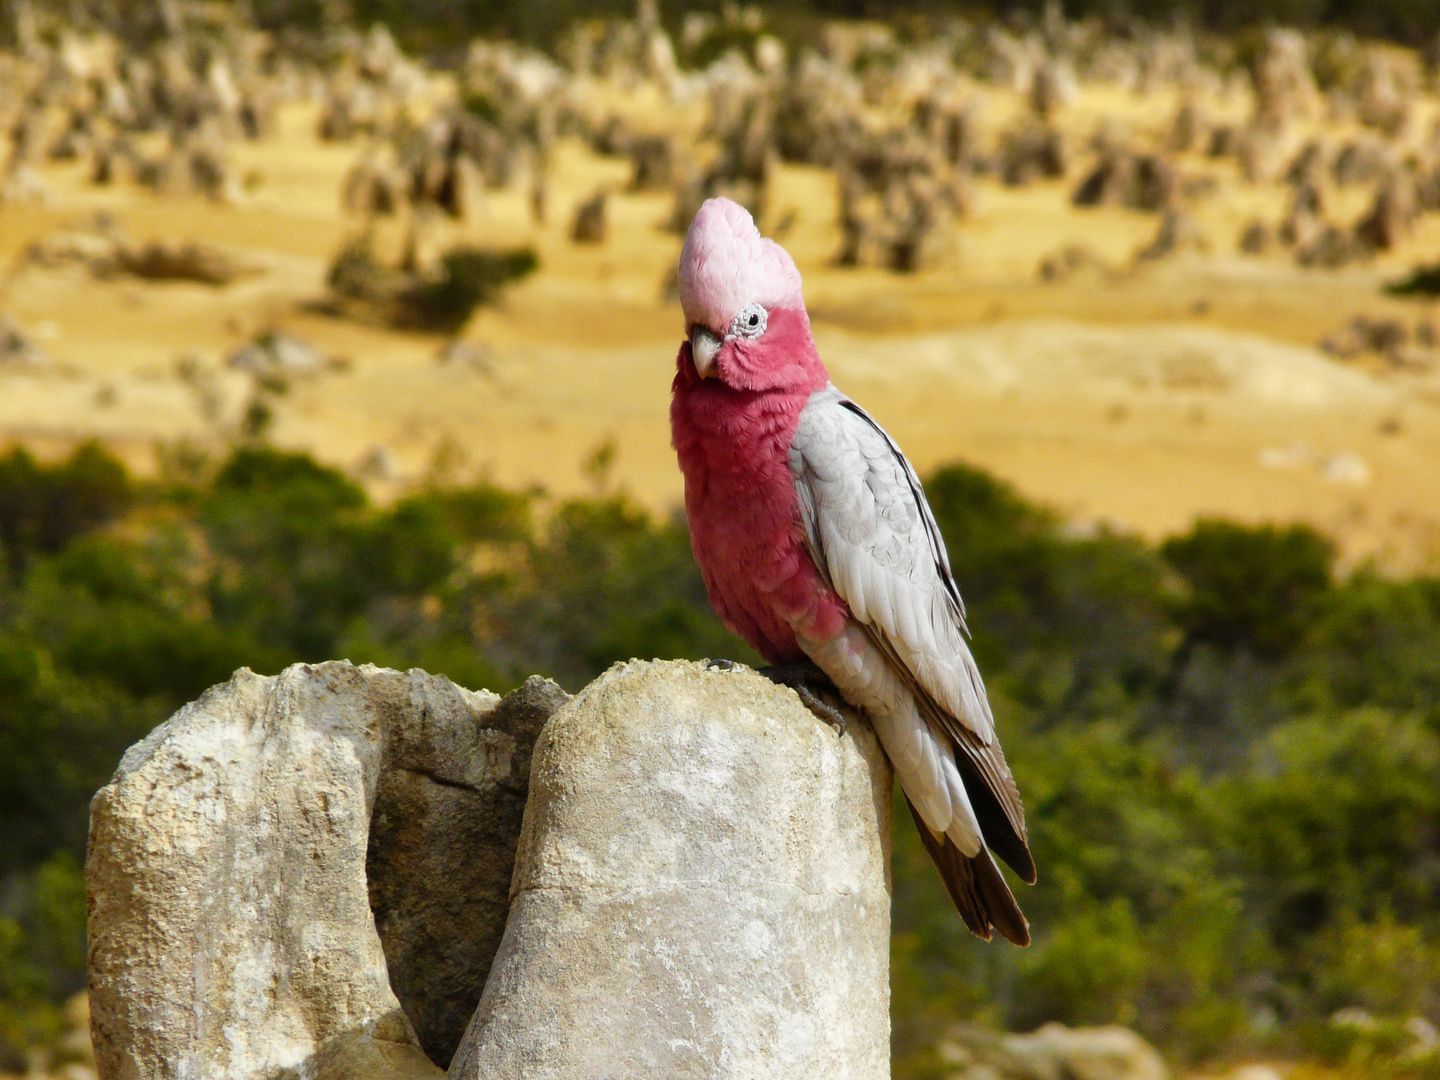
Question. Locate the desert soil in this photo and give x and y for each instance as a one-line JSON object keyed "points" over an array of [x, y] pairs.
{"points": [[1129, 395]]}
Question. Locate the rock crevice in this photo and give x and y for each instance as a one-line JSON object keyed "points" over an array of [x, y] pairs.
{"points": [[236, 856], [315, 875]]}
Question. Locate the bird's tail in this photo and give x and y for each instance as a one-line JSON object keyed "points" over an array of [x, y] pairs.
{"points": [[975, 886]]}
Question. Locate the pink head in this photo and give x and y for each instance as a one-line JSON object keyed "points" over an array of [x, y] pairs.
{"points": [[744, 311]]}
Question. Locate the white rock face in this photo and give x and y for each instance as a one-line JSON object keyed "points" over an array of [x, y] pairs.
{"points": [[231, 933], [702, 887], [1054, 1052], [1101, 1053], [702, 890]]}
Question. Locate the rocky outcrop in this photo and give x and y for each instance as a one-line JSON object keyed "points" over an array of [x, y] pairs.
{"points": [[1054, 1052], [231, 933], [702, 890], [308, 876]]}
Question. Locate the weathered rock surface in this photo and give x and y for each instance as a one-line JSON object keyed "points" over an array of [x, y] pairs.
{"points": [[448, 809], [702, 890], [231, 933], [1054, 1052], [703, 887], [385, 1050]]}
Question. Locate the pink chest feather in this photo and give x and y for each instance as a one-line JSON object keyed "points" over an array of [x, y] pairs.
{"points": [[744, 517]]}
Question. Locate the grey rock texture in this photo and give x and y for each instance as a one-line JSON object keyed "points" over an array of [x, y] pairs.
{"points": [[702, 890], [447, 819], [1054, 1052], [231, 933], [382, 1051]]}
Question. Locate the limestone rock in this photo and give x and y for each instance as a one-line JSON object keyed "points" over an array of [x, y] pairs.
{"points": [[442, 848], [1178, 231], [652, 163], [1122, 178], [1054, 1052], [1391, 214], [1032, 152], [385, 1052], [1284, 86], [1103, 1053], [702, 890], [1256, 239], [277, 355], [590, 220], [231, 933], [18, 349]]}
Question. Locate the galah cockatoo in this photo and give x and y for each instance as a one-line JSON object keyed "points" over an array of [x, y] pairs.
{"points": [[817, 544]]}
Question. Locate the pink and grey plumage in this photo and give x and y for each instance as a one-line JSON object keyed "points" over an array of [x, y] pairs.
{"points": [[816, 543]]}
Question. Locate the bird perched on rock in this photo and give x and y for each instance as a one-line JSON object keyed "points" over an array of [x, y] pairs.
{"points": [[818, 547]]}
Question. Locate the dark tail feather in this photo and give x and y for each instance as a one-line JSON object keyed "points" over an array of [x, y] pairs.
{"points": [[975, 887], [1004, 912], [995, 825]]}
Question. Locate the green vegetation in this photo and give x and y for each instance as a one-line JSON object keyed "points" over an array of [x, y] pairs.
{"points": [[1230, 755], [442, 299], [433, 25], [467, 277], [1423, 280]]}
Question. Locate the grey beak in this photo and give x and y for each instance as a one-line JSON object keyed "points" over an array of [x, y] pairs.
{"points": [[703, 347]]}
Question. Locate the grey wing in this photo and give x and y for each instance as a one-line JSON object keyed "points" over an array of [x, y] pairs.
{"points": [[874, 539]]}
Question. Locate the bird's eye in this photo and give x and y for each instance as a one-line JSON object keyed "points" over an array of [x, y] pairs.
{"points": [[750, 321]]}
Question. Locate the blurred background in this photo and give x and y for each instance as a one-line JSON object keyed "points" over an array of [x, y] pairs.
{"points": [[344, 328]]}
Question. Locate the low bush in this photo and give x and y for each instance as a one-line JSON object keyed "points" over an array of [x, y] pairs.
{"points": [[440, 300], [1230, 757]]}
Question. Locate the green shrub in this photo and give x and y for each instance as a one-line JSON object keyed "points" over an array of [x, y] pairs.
{"points": [[43, 508], [1423, 280], [467, 278], [1250, 588], [1230, 760], [441, 300]]}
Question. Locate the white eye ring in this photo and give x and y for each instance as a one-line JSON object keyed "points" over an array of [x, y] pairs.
{"points": [[749, 321]]}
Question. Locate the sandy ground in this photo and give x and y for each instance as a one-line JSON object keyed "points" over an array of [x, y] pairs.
{"points": [[1132, 397]]}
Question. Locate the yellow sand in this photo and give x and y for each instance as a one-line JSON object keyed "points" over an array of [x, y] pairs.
{"points": [[1138, 398]]}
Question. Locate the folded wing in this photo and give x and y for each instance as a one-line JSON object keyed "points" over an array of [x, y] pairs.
{"points": [[874, 540]]}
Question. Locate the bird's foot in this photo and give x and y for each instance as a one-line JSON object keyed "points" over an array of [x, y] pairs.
{"points": [[720, 665], [809, 682]]}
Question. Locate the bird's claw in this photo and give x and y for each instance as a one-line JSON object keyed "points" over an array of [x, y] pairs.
{"points": [[823, 709], [720, 665], [806, 679]]}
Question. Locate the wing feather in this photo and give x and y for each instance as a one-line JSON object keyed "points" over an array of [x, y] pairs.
{"points": [[975, 886], [875, 541]]}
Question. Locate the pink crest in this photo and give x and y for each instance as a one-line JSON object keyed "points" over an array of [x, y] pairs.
{"points": [[726, 264]]}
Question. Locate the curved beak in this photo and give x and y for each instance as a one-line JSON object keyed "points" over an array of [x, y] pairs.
{"points": [[703, 348]]}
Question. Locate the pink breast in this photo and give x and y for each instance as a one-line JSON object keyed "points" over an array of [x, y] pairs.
{"points": [[744, 518]]}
